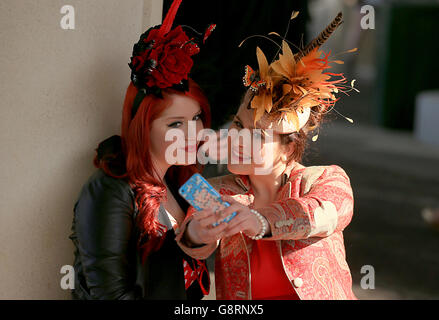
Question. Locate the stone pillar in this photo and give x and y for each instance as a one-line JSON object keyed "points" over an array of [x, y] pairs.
{"points": [[61, 94]]}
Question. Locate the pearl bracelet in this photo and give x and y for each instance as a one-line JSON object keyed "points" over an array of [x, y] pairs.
{"points": [[263, 223]]}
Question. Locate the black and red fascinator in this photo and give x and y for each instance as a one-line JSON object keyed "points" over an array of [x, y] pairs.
{"points": [[162, 58]]}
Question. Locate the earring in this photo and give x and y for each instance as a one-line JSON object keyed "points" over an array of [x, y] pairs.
{"points": [[284, 158], [284, 179]]}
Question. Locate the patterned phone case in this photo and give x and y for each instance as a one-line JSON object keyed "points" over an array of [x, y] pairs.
{"points": [[201, 195]]}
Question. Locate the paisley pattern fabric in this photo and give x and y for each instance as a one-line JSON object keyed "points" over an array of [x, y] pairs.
{"points": [[306, 220]]}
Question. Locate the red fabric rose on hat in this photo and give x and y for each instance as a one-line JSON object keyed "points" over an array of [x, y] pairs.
{"points": [[138, 62], [172, 56], [162, 56]]}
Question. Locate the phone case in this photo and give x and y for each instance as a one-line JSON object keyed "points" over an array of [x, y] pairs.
{"points": [[201, 195]]}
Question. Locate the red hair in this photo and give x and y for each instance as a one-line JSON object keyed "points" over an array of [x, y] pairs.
{"points": [[136, 146]]}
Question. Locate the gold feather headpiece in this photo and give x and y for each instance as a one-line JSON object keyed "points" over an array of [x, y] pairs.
{"points": [[288, 90]]}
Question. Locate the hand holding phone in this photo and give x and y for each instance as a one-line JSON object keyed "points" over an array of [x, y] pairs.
{"points": [[201, 195]]}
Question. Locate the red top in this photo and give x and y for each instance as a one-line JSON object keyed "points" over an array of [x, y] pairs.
{"points": [[268, 278]]}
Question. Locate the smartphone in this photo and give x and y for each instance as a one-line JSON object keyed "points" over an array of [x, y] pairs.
{"points": [[201, 195]]}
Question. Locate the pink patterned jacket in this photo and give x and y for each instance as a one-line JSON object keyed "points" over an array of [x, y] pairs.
{"points": [[306, 220]]}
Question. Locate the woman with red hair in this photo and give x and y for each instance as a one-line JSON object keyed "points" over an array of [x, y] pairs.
{"points": [[126, 213]]}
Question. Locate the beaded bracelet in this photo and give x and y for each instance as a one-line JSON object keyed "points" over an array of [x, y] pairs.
{"points": [[263, 223]]}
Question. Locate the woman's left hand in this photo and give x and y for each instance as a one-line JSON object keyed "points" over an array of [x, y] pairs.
{"points": [[244, 219]]}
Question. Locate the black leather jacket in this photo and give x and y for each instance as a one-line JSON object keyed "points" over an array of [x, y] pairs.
{"points": [[107, 263]]}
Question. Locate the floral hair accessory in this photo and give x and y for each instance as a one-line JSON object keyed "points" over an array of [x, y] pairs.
{"points": [[162, 57], [286, 92]]}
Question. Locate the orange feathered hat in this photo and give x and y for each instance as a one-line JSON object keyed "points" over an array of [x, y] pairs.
{"points": [[289, 89]]}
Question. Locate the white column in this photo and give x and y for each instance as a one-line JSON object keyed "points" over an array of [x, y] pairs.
{"points": [[61, 93]]}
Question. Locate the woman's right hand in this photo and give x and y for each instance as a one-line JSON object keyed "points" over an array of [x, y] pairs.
{"points": [[200, 231]]}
